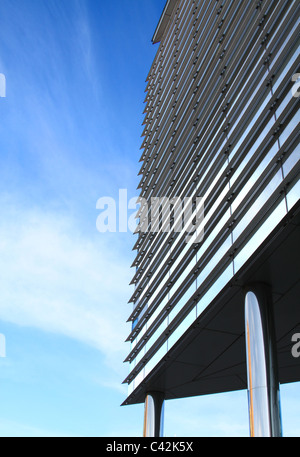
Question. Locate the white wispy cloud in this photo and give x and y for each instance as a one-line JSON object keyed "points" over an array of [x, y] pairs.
{"points": [[56, 273], [55, 279]]}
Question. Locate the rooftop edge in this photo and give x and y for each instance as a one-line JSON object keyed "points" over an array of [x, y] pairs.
{"points": [[164, 20]]}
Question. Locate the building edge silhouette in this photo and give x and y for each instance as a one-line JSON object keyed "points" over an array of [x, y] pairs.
{"points": [[218, 313]]}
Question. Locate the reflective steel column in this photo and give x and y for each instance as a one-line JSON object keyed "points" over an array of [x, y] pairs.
{"points": [[262, 371], [154, 415]]}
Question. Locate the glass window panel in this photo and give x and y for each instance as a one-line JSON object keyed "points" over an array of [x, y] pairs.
{"points": [[182, 302], [260, 235], [156, 292], [217, 202], [156, 358], [252, 151], [183, 276], [214, 261], [179, 258], [250, 124], [162, 282], [185, 324], [140, 355], [157, 311], [257, 205], [133, 344], [291, 162], [223, 279], [139, 378], [285, 69], [284, 103], [214, 234], [293, 195], [141, 333], [132, 364], [294, 123], [158, 332], [142, 312], [208, 169], [250, 99], [252, 181]]}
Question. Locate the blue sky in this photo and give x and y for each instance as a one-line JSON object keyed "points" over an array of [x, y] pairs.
{"points": [[70, 133]]}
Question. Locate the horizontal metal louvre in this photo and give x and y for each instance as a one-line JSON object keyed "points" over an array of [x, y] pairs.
{"points": [[223, 126], [209, 158]]}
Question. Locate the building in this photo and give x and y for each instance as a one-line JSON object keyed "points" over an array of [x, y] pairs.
{"points": [[219, 312]]}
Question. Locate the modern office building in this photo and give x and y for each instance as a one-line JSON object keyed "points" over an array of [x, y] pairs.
{"points": [[215, 306]]}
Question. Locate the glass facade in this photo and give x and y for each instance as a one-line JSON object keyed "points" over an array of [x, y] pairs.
{"points": [[221, 124]]}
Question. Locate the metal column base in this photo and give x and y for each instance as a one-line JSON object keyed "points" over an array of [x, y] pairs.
{"points": [[154, 415], [262, 371]]}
